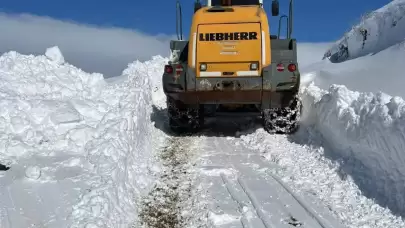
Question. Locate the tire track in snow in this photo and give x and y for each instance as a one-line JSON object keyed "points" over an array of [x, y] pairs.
{"points": [[162, 207], [242, 205], [240, 189]]}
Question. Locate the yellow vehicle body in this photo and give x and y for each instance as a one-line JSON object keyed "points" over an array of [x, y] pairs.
{"points": [[229, 42], [232, 65]]}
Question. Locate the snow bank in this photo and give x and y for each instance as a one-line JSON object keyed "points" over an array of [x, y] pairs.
{"points": [[42, 77], [366, 132], [121, 158], [365, 129], [151, 70], [78, 147], [376, 31], [105, 49]]}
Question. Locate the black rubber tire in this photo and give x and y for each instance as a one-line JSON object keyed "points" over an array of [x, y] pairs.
{"points": [[283, 120], [183, 118]]}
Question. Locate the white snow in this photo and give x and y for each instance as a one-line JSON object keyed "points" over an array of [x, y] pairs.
{"points": [[373, 67], [54, 54], [366, 135], [33, 172], [78, 148], [372, 73], [82, 149], [105, 49], [357, 107], [246, 190]]}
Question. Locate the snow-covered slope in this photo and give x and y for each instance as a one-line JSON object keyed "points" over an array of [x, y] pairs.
{"points": [[377, 31], [372, 73], [366, 65], [356, 107], [78, 148]]}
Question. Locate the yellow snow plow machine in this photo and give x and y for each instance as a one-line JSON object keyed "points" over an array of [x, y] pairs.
{"points": [[231, 64]]}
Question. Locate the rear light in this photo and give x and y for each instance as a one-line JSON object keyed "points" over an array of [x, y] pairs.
{"points": [[292, 67], [179, 69], [280, 67], [168, 69]]}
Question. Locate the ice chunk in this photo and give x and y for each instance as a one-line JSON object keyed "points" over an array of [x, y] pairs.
{"points": [[54, 54]]}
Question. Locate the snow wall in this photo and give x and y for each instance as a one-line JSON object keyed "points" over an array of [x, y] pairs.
{"points": [[87, 143], [364, 130], [366, 134]]}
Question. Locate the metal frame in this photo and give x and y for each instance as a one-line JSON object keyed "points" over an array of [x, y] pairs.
{"points": [[290, 19], [209, 3], [279, 27]]}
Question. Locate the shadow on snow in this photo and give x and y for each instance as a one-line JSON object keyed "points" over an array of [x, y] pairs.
{"points": [[227, 126]]}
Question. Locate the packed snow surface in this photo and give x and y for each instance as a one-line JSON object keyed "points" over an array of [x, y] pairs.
{"points": [[240, 188], [231, 184], [243, 150]]}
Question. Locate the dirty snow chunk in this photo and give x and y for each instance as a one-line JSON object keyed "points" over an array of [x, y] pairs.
{"points": [[33, 172], [54, 54]]}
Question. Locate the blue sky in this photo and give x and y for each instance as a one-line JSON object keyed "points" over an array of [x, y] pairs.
{"points": [[315, 20]]}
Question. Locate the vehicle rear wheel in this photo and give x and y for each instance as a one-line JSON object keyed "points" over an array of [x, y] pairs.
{"points": [[184, 118], [283, 120]]}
